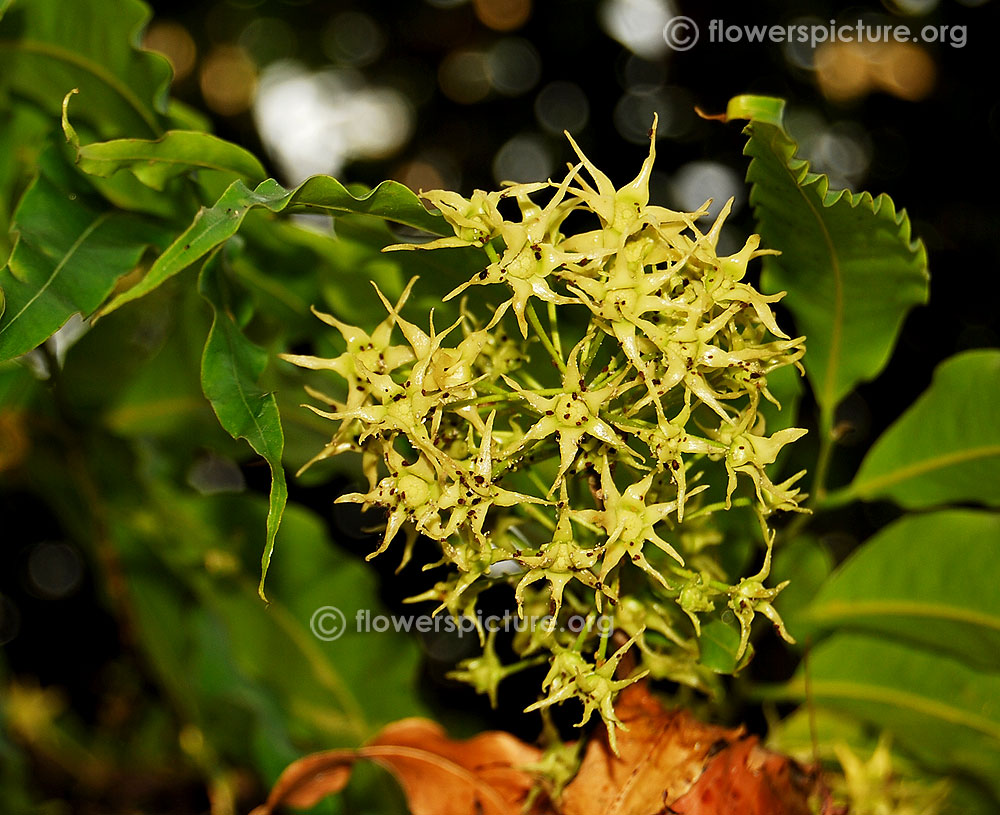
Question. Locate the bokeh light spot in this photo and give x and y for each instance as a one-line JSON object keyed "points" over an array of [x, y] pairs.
{"points": [[514, 66], [502, 15], [633, 115], [316, 122], [637, 24], [562, 106], [268, 39], [464, 76], [173, 41], [697, 181], [227, 79], [55, 570], [524, 158], [353, 38]]}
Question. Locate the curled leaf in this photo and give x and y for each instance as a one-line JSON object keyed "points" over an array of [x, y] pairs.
{"points": [[440, 776]]}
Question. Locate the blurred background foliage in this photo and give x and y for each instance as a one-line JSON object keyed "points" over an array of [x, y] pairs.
{"points": [[140, 671]]}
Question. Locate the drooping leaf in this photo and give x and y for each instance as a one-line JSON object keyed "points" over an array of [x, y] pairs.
{"points": [[943, 713], [848, 262], [47, 49], [71, 250], [946, 447], [230, 370], [930, 579], [215, 225]]}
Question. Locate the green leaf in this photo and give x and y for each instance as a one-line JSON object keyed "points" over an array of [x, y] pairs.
{"points": [[156, 162], [215, 225], [71, 249], [23, 133], [945, 447], [929, 579], [806, 564], [49, 48], [254, 678], [719, 643], [939, 710], [847, 260], [230, 370]]}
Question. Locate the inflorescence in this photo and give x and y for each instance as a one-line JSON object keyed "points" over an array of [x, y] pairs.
{"points": [[579, 455]]}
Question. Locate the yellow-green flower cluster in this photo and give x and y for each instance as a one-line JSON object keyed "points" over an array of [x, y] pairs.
{"points": [[577, 454]]}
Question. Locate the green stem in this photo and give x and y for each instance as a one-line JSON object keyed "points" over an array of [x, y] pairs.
{"points": [[554, 325], [544, 337], [709, 508]]}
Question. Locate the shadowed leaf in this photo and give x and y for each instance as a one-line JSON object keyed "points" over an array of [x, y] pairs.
{"points": [[230, 369]]}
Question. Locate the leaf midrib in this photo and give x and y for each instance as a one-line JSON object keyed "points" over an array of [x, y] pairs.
{"points": [[829, 379], [918, 468], [847, 610], [94, 68], [896, 697], [387, 752], [95, 224]]}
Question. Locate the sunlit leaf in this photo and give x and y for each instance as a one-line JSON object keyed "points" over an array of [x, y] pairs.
{"points": [[930, 579], [215, 225], [848, 262], [155, 162]]}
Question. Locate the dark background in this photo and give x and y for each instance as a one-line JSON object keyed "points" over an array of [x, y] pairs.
{"points": [[922, 124]]}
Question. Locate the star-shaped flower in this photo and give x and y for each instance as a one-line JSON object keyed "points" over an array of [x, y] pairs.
{"points": [[571, 415], [629, 522], [559, 561]]}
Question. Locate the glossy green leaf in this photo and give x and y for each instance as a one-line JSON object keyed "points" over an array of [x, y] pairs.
{"points": [[848, 262], [215, 225], [47, 49], [155, 162], [70, 252], [929, 579], [939, 710], [230, 370], [945, 447]]}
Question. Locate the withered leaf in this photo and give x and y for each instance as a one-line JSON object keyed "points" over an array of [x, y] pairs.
{"points": [[439, 776], [671, 763], [668, 763]]}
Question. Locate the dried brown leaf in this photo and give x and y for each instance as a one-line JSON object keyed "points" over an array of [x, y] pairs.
{"points": [[669, 762], [439, 776], [660, 757]]}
